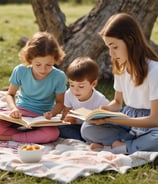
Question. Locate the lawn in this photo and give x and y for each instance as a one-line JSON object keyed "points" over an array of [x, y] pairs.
{"points": [[17, 21]]}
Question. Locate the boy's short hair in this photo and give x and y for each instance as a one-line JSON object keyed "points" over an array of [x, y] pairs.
{"points": [[83, 68]]}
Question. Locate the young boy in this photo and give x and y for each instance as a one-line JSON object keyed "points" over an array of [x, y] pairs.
{"points": [[82, 76]]}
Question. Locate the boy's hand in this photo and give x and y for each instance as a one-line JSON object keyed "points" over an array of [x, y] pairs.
{"points": [[72, 120]]}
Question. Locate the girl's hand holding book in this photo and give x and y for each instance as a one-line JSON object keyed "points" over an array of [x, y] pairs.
{"points": [[48, 115], [15, 113]]}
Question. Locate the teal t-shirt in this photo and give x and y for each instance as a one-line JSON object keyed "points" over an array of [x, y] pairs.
{"points": [[37, 95]]}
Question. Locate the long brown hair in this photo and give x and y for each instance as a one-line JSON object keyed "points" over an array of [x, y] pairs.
{"points": [[123, 26]]}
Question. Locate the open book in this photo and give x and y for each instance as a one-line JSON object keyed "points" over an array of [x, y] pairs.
{"points": [[86, 114], [39, 121]]}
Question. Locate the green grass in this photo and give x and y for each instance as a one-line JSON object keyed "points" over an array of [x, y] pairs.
{"points": [[74, 11], [154, 35], [141, 175], [17, 21]]}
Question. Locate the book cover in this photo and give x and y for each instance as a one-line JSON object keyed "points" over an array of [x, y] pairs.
{"points": [[86, 114]]}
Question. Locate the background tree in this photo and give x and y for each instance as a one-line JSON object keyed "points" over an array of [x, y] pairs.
{"points": [[81, 37]]}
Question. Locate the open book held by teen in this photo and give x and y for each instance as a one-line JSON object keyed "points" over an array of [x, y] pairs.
{"points": [[87, 114], [29, 122]]}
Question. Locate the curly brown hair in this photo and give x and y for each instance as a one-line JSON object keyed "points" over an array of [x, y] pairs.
{"points": [[41, 44]]}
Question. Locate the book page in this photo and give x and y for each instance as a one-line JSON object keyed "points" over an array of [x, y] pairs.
{"points": [[29, 122], [41, 119], [8, 118], [78, 116], [81, 112]]}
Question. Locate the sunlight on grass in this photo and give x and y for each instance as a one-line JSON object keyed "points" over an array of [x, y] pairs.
{"points": [[154, 35], [75, 11], [17, 21]]}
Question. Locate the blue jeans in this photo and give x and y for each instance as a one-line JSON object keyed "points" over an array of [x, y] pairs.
{"points": [[106, 134]]}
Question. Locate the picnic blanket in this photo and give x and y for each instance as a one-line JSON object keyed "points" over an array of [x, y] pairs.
{"points": [[67, 159]]}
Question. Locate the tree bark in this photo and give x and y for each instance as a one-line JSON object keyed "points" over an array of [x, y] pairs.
{"points": [[81, 38], [50, 18]]}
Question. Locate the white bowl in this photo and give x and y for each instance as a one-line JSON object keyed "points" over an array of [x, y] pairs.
{"points": [[30, 156]]}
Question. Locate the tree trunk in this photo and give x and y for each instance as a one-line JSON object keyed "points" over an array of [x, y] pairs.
{"points": [[81, 38], [50, 18]]}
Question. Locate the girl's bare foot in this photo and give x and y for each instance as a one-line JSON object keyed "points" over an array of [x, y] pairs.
{"points": [[100, 146]]}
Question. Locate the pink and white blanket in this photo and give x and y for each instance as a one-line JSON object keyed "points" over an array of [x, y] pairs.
{"points": [[67, 159]]}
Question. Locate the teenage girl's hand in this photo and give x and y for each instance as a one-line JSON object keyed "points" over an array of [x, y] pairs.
{"points": [[98, 121], [15, 113]]}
